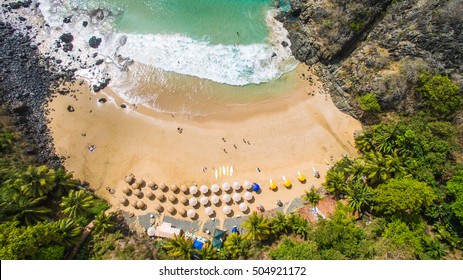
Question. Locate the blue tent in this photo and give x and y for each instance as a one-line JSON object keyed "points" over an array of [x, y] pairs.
{"points": [[198, 244], [255, 187]]}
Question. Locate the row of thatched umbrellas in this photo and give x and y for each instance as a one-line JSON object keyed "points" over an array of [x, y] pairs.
{"points": [[135, 184]]}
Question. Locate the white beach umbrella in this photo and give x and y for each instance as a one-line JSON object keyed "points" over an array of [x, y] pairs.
{"points": [[243, 207], [151, 231], [236, 197], [204, 200], [193, 201], [226, 209], [204, 189], [209, 211], [215, 188], [236, 185], [226, 198], [215, 199], [193, 190], [247, 184], [226, 186], [248, 196], [191, 213]]}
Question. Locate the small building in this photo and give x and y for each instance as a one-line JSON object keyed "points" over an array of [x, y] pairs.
{"points": [[167, 231]]}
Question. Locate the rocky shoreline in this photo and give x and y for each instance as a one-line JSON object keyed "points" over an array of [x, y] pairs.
{"points": [[27, 80]]}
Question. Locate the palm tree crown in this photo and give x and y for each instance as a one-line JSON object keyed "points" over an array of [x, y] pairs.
{"points": [[258, 226], [77, 203]]}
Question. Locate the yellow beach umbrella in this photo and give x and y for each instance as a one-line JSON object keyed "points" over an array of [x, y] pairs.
{"points": [[286, 182], [301, 177], [272, 185]]}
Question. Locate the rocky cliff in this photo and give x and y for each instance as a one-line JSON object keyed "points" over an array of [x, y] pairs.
{"points": [[380, 47]]}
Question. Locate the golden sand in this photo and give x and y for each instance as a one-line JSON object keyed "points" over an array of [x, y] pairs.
{"points": [[295, 132]]}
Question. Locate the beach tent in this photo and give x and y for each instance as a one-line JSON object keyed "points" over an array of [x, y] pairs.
{"points": [[215, 199], [218, 238], [215, 188], [193, 190], [204, 189], [226, 186], [193, 201], [204, 200], [248, 196], [255, 187], [167, 231], [247, 184], [226, 198]]}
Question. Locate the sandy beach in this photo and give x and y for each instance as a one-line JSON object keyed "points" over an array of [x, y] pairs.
{"points": [[295, 132]]}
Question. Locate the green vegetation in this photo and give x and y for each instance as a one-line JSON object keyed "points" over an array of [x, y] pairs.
{"points": [[357, 25], [369, 103]]}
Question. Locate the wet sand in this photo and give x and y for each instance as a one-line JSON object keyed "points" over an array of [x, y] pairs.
{"points": [[295, 132]]}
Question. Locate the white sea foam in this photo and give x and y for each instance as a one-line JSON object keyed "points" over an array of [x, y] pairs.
{"points": [[229, 64]]}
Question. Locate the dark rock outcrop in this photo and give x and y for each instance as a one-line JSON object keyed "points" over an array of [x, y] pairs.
{"points": [[94, 42]]}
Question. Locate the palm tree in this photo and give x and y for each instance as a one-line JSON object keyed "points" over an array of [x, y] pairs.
{"points": [[27, 209], [299, 225], [69, 230], [103, 223], [180, 247], [63, 182], [359, 195], [36, 181], [77, 203], [364, 141], [335, 183], [234, 245], [381, 168], [257, 226], [279, 224], [208, 252], [312, 197]]}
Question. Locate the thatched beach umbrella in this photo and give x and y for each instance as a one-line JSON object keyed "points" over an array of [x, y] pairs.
{"points": [[215, 199], [123, 201], [158, 207], [136, 192], [204, 200], [140, 204], [149, 194], [236, 186], [243, 207], [182, 212], [204, 189], [193, 201], [126, 190], [134, 186], [161, 197], [226, 186], [236, 197], [226, 198], [226, 209], [215, 188], [172, 198], [184, 189], [191, 213], [247, 184], [193, 190], [128, 179], [150, 184], [209, 211], [170, 209], [248, 196], [139, 181], [174, 188], [134, 204], [163, 187], [183, 200]]}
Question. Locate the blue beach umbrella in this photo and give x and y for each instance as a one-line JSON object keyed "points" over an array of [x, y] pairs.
{"points": [[255, 187], [198, 244], [235, 229]]}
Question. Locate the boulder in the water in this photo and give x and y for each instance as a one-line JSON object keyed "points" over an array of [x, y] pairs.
{"points": [[84, 23], [66, 38], [67, 19], [122, 40]]}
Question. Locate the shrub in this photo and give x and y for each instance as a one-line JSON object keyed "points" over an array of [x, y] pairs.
{"points": [[369, 103]]}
